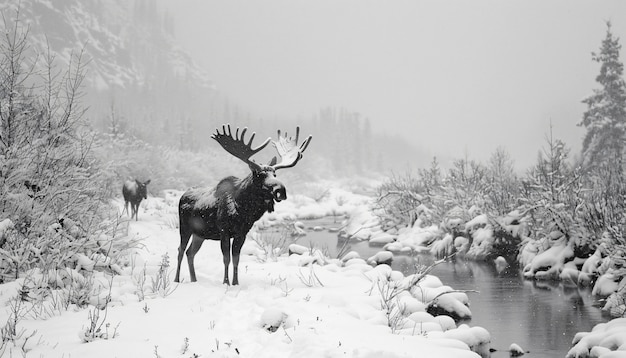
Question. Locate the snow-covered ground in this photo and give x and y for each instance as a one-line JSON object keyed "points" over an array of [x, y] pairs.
{"points": [[302, 305], [284, 306]]}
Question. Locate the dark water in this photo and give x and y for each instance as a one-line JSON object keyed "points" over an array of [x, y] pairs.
{"points": [[541, 317]]}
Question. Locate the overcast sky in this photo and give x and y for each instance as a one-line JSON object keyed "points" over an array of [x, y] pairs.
{"points": [[454, 77]]}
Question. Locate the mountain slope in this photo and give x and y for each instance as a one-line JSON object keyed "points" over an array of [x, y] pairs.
{"points": [[127, 43]]}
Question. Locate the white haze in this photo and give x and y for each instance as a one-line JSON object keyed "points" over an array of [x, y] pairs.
{"points": [[457, 78]]}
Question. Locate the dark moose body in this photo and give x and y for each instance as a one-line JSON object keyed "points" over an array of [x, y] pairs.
{"points": [[231, 208], [134, 191]]}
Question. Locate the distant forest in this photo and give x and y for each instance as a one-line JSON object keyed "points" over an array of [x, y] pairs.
{"points": [[343, 141]]}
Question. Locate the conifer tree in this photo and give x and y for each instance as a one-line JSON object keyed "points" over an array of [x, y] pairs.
{"points": [[605, 118]]}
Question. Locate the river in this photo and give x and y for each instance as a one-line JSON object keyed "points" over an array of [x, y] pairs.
{"points": [[541, 317]]}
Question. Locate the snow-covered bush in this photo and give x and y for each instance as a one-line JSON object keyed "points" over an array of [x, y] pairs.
{"points": [[53, 188], [545, 209], [503, 184], [508, 231], [274, 242], [465, 185], [419, 303], [400, 203]]}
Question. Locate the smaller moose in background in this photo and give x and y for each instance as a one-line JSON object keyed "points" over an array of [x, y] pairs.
{"points": [[134, 191]]}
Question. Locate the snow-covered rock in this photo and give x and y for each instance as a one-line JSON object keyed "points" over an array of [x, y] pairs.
{"points": [[455, 304], [442, 299], [272, 319], [590, 268], [607, 339], [397, 247], [381, 238], [350, 255], [298, 249], [381, 257], [606, 284], [501, 264], [418, 237], [549, 263], [515, 350], [478, 339]]}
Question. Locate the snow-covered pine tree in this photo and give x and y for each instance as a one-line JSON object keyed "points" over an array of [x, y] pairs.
{"points": [[603, 145], [605, 118]]}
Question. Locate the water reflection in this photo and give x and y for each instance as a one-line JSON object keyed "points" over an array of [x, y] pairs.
{"points": [[541, 317]]}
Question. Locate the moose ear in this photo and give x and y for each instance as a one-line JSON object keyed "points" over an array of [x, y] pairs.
{"points": [[254, 166], [273, 162], [147, 182]]}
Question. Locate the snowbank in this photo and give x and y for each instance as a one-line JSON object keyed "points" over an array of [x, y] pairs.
{"points": [[606, 340], [549, 263]]}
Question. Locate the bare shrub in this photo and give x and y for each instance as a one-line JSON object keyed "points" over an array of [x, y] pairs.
{"points": [[162, 282], [274, 242], [98, 327]]}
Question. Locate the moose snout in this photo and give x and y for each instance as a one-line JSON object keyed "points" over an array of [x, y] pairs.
{"points": [[276, 188], [279, 192]]}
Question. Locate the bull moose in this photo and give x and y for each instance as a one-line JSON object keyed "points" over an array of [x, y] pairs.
{"points": [[229, 209]]}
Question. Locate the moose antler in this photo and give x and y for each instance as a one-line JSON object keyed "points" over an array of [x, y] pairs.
{"points": [[287, 148], [236, 145]]}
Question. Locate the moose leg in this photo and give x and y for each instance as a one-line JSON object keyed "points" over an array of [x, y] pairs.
{"points": [[225, 243], [135, 210], [184, 240], [196, 243], [237, 244]]}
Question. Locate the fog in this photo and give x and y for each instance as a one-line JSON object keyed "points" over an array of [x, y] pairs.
{"points": [[457, 78]]}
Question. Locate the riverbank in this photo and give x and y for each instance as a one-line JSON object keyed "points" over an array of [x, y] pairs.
{"points": [[482, 238], [541, 314], [543, 317]]}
